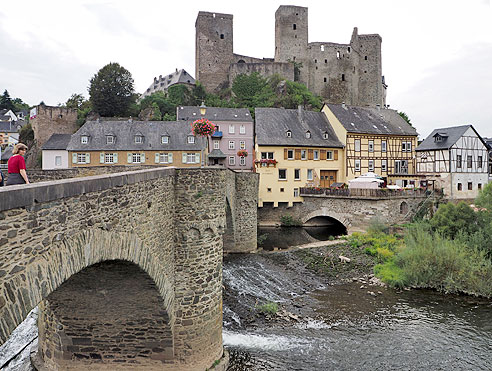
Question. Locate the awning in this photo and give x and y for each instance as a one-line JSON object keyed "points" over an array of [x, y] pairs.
{"points": [[217, 153]]}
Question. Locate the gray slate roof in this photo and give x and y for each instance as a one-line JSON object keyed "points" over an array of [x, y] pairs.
{"points": [[57, 141], [164, 82], [192, 113], [217, 153], [272, 125], [9, 126], [453, 134], [367, 120], [7, 153], [125, 132]]}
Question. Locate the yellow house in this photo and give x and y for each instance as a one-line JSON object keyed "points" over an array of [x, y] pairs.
{"points": [[294, 149], [376, 140], [165, 143]]}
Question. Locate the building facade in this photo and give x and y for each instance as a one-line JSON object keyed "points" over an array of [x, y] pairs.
{"points": [[376, 140], [163, 143], [163, 83], [455, 159], [55, 153], [294, 149], [350, 73], [234, 133]]}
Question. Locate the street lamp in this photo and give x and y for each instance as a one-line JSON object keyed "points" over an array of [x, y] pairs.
{"points": [[203, 109]]}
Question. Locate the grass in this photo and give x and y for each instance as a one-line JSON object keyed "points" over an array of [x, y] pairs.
{"points": [[270, 308]]}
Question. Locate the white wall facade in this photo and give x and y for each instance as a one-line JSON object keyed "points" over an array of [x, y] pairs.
{"points": [[55, 159]]}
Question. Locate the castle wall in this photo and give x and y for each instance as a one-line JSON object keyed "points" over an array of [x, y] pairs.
{"points": [[286, 70], [51, 120]]}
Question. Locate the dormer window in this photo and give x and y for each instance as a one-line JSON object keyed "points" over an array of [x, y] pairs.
{"points": [[325, 135], [308, 134], [288, 134], [165, 139], [138, 139], [84, 139], [109, 139], [437, 138], [191, 139]]}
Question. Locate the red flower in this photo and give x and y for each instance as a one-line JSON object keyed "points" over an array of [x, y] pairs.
{"points": [[242, 153], [202, 127]]}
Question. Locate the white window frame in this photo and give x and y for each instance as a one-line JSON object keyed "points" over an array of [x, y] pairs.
{"points": [[231, 144], [370, 165], [164, 139], [191, 139], [58, 161], [399, 165], [109, 158], [325, 135], [409, 146], [304, 152], [316, 154], [164, 158], [384, 165], [384, 146], [84, 139], [357, 145], [298, 177], [403, 146], [138, 139], [371, 146], [81, 158], [231, 129], [232, 160], [267, 155], [289, 152], [216, 144], [242, 129], [308, 134], [357, 165], [242, 144], [296, 192], [109, 139], [242, 161], [288, 134], [480, 162], [309, 174], [190, 158], [329, 155], [285, 172], [136, 158]]}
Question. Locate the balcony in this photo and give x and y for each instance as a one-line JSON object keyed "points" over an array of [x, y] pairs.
{"points": [[266, 163], [380, 193], [217, 135]]}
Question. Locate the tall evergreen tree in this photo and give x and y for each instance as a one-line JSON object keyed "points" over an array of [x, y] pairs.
{"points": [[6, 101]]}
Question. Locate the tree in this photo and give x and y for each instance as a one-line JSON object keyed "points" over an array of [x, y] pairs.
{"points": [[156, 112], [252, 91], [405, 117], [6, 101], [450, 220], [75, 101], [111, 90]]}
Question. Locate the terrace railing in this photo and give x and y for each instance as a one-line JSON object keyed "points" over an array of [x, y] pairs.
{"points": [[359, 192]]}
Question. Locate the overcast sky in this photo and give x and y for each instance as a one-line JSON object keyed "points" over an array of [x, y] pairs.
{"points": [[437, 54]]}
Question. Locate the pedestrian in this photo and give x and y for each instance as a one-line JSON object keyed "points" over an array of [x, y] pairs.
{"points": [[17, 166], [2, 179]]}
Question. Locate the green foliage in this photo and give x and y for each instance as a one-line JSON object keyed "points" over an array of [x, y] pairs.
{"points": [[390, 273], [6, 102], [289, 221], [26, 135], [298, 94], [377, 243], [82, 105], [270, 308], [451, 219], [405, 117], [19, 105], [156, 112], [75, 101], [484, 198], [297, 69], [252, 91], [261, 238], [111, 91]]}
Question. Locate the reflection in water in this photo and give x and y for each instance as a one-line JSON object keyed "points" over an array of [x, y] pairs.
{"points": [[283, 237]]}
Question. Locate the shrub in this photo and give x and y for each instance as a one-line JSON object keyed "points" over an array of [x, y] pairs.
{"points": [[390, 273], [268, 308], [451, 219], [289, 221]]}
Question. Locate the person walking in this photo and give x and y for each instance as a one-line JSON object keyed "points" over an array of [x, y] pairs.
{"points": [[17, 166]]}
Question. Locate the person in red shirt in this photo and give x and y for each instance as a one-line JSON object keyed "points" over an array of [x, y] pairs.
{"points": [[17, 166]]}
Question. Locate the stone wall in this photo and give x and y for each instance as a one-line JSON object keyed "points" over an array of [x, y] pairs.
{"points": [[266, 69]]}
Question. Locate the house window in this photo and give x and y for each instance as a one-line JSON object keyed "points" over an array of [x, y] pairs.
{"points": [[357, 145], [269, 189], [309, 174], [290, 154], [303, 154], [216, 144], [58, 160], [191, 139], [469, 162], [458, 161], [242, 144], [297, 174], [403, 146], [460, 187], [470, 186], [296, 192], [164, 139], [217, 128], [401, 167], [231, 144], [109, 139], [371, 165], [282, 190], [84, 139], [138, 139], [371, 146], [409, 146], [479, 186], [315, 154], [136, 158], [164, 158], [231, 129], [232, 160], [267, 155], [384, 165], [357, 165], [242, 161], [325, 135], [242, 129], [383, 146], [282, 174], [191, 158], [109, 158], [288, 134], [81, 158], [437, 138], [480, 162], [329, 155], [308, 134]]}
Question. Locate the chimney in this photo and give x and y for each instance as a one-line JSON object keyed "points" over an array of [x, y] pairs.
{"points": [[378, 106], [343, 105], [300, 113]]}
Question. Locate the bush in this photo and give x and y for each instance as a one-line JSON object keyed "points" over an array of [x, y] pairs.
{"points": [[267, 308], [450, 220], [381, 245], [289, 221]]}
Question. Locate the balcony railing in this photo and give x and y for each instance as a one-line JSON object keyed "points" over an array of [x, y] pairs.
{"points": [[359, 192]]}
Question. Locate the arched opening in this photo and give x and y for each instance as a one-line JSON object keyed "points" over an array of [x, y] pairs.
{"points": [[228, 237], [241, 61], [323, 228], [404, 208], [110, 312]]}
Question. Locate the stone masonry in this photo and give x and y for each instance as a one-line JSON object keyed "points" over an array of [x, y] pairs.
{"points": [[127, 267]]}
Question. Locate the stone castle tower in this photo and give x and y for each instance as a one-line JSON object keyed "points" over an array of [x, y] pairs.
{"points": [[349, 73]]}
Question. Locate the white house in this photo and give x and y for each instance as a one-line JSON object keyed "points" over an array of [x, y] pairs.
{"points": [[55, 154], [456, 160]]}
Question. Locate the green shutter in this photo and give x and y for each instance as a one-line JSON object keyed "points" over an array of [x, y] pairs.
{"points": [[101, 157], [87, 158], [170, 158], [157, 158], [197, 158], [142, 158], [183, 158], [115, 158], [74, 158], [129, 158]]}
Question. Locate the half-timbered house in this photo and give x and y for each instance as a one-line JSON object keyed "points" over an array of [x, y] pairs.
{"points": [[376, 140], [456, 160]]}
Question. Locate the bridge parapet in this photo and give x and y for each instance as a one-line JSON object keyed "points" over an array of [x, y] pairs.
{"points": [[363, 193]]}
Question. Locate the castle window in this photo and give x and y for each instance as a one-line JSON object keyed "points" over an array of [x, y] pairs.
{"points": [[343, 77], [348, 49], [365, 57], [338, 55], [315, 61], [322, 47], [294, 26], [324, 79], [222, 36], [326, 60], [241, 61], [460, 187]]}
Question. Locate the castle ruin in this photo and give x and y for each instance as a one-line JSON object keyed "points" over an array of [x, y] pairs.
{"points": [[349, 73]]}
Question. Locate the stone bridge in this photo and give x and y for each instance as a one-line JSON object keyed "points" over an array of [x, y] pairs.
{"points": [[126, 267], [353, 213]]}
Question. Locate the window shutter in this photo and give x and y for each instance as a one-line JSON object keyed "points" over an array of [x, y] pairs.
{"points": [[129, 158], [170, 158], [285, 153], [87, 158], [157, 157], [183, 158], [142, 158], [74, 158], [197, 158], [335, 155], [322, 154], [310, 154], [115, 158], [101, 158], [298, 154]]}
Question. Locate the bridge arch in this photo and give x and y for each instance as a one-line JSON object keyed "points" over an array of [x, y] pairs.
{"points": [[324, 213]]}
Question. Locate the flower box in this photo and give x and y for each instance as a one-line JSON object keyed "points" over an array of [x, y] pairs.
{"points": [[203, 127], [242, 153]]}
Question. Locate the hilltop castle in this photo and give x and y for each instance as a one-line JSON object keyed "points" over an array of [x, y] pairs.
{"points": [[349, 73]]}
